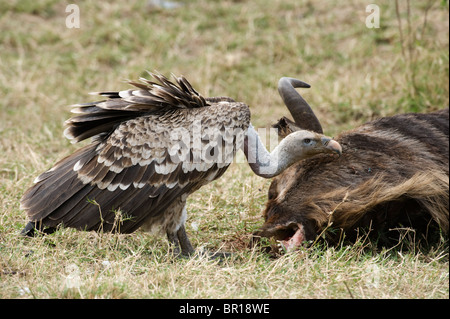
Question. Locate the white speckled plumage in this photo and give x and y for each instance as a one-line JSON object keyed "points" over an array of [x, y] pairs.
{"points": [[150, 146]]}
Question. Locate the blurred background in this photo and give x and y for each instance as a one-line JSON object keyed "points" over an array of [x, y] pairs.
{"points": [[53, 53], [235, 48]]}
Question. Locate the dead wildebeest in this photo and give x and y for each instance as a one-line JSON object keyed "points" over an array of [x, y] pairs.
{"points": [[393, 174]]}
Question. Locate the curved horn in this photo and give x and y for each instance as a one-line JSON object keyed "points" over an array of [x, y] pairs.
{"points": [[299, 108]]}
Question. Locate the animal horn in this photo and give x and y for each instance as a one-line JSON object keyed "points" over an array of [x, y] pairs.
{"points": [[299, 108]]}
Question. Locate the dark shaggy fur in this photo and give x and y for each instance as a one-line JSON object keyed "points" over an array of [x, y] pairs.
{"points": [[393, 173]]}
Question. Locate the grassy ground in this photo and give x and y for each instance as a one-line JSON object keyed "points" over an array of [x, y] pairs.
{"points": [[234, 48]]}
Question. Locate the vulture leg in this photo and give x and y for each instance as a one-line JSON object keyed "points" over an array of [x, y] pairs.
{"points": [[183, 247], [178, 237], [181, 243], [185, 244]]}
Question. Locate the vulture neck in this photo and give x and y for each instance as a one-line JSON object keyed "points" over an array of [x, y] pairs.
{"points": [[262, 162]]}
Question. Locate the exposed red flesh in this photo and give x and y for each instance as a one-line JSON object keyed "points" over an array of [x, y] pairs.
{"points": [[292, 243]]}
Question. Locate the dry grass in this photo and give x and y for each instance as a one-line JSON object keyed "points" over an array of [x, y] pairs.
{"points": [[234, 48]]}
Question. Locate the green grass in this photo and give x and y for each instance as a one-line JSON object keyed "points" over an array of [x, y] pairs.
{"points": [[234, 48]]}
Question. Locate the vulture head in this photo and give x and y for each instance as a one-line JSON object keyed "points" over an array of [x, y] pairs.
{"points": [[302, 139], [306, 130]]}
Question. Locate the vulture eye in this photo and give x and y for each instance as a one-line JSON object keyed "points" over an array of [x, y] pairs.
{"points": [[307, 141]]}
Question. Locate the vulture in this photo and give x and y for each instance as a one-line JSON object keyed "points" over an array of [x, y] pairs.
{"points": [[152, 146]]}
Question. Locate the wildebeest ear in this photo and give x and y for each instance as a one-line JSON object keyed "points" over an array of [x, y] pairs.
{"points": [[285, 127], [273, 192]]}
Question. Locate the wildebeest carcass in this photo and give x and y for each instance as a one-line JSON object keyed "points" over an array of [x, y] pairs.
{"points": [[393, 175]]}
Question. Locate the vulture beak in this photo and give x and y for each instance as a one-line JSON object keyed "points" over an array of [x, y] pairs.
{"points": [[332, 145]]}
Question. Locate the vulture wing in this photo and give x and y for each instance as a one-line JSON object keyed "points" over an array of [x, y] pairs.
{"points": [[151, 146]]}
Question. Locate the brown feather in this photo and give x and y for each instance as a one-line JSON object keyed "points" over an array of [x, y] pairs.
{"points": [[128, 167]]}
